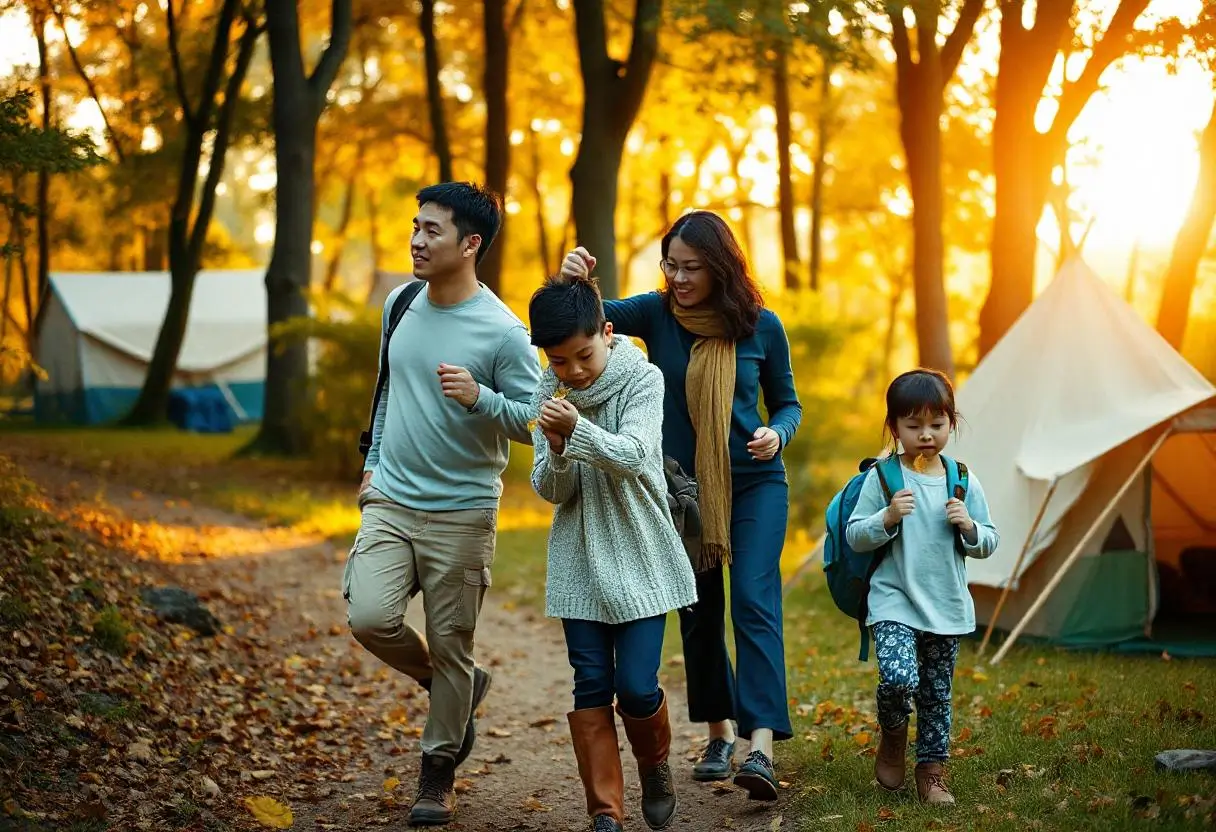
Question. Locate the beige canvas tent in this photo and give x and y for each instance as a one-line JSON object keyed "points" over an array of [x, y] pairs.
{"points": [[1096, 445]]}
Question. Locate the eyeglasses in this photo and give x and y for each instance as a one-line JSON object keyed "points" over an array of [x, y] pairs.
{"points": [[670, 269]]}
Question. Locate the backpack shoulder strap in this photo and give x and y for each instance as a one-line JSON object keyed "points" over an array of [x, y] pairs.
{"points": [[890, 475], [956, 487], [400, 304]]}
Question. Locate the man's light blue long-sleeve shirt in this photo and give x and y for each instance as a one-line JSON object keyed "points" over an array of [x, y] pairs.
{"points": [[428, 452], [922, 582]]}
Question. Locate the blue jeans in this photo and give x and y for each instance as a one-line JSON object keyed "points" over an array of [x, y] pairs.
{"points": [[915, 665], [756, 695], [616, 660]]}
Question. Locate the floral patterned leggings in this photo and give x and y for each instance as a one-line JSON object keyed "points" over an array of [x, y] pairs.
{"points": [[920, 666]]}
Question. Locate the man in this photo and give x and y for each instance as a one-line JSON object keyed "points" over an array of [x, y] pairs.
{"points": [[461, 371]]}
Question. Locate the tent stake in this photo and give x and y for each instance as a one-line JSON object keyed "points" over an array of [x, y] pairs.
{"points": [[1076, 552], [1017, 566]]}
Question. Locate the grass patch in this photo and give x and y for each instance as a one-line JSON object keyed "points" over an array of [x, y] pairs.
{"points": [[111, 631], [13, 611]]}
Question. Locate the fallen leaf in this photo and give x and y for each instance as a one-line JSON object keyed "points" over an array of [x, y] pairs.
{"points": [[140, 752], [964, 735], [210, 787], [391, 783], [979, 676], [269, 812], [498, 732], [532, 804], [543, 722], [862, 738], [776, 824], [886, 814]]}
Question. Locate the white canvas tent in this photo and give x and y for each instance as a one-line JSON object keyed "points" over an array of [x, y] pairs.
{"points": [[97, 332], [1095, 442]]}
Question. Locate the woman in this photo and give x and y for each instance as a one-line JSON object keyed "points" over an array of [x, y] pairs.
{"points": [[720, 351]]}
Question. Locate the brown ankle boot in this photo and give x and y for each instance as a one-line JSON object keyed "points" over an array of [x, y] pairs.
{"points": [[930, 785], [890, 768], [593, 731], [651, 742]]}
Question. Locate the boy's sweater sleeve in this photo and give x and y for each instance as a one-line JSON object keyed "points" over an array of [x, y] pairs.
{"points": [[639, 436], [865, 531], [987, 538], [554, 477]]}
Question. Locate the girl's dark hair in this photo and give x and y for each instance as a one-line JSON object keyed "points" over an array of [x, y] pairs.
{"points": [[734, 294], [920, 391], [563, 308]]}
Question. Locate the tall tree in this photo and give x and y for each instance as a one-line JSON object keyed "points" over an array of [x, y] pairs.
{"points": [[498, 134], [1190, 244], [186, 238], [299, 100], [434, 91], [920, 83], [785, 173], [819, 172], [40, 20], [1023, 157], [612, 95]]}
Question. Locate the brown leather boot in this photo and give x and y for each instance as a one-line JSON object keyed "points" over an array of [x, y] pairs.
{"points": [[651, 742], [931, 785], [593, 731], [890, 767]]}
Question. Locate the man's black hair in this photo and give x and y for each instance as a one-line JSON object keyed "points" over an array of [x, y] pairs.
{"points": [[475, 209], [562, 308]]}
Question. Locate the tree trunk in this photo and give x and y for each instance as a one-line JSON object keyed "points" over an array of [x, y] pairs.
{"points": [[612, 94], [39, 17], [785, 176], [186, 241], [22, 258], [1023, 158], [1190, 244], [298, 102], [373, 229], [348, 210], [817, 176], [434, 92], [542, 234], [498, 136]]}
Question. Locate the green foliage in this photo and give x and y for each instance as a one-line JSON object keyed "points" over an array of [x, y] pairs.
{"points": [[347, 336], [111, 631]]}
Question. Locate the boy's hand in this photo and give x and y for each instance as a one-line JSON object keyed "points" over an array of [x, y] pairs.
{"points": [[957, 514], [557, 442], [577, 264], [765, 444], [458, 384], [902, 504], [557, 416]]}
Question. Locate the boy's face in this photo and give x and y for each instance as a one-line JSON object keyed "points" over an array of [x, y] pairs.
{"points": [[580, 359]]}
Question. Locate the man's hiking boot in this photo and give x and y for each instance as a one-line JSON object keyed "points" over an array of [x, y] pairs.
{"points": [[436, 801]]}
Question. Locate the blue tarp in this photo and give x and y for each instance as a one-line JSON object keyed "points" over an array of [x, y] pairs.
{"points": [[104, 405]]}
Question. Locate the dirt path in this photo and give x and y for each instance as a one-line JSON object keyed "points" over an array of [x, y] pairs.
{"points": [[521, 775]]}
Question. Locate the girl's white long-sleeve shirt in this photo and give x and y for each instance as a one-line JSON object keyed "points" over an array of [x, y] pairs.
{"points": [[922, 582]]}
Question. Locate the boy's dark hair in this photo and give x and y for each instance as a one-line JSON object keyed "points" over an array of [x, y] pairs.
{"points": [[475, 210], [920, 391], [563, 308]]}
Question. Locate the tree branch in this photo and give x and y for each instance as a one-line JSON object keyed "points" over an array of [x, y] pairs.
{"points": [[592, 37], [900, 42], [322, 78], [175, 58], [88, 82], [643, 46], [957, 42]]}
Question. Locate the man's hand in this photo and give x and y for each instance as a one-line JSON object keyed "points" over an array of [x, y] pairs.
{"points": [[557, 416], [578, 263], [458, 384], [367, 481]]}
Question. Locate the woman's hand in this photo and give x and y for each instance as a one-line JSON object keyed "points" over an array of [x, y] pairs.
{"points": [[765, 444], [578, 264]]}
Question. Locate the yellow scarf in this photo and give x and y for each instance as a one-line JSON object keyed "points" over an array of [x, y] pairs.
{"points": [[710, 388]]}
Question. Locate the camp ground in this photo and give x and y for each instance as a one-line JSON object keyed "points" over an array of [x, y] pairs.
{"points": [[1096, 445], [97, 332]]}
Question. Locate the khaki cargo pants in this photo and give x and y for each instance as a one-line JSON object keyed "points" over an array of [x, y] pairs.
{"points": [[445, 555]]}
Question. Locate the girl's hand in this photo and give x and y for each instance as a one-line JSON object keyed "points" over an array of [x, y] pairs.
{"points": [[903, 503], [578, 264], [557, 416], [957, 514], [765, 444]]}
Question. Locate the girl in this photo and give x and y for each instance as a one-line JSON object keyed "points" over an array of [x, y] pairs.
{"points": [[616, 564], [919, 604], [721, 352]]}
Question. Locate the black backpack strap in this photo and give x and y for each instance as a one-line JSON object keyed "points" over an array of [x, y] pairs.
{"points": [[400, 305]]}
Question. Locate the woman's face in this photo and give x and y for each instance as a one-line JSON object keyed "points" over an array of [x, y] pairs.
{"points": [[688, 278]]}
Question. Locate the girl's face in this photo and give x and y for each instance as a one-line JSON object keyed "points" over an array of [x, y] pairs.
{"points": [[923, 433], [687, 276], [580, 359]]}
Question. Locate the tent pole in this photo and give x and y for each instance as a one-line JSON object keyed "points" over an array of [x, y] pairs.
{"points": [[1017, 566], [1076, 552]]}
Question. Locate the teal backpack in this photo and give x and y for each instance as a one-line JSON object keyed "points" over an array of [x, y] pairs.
{"points": [[848, 573]]}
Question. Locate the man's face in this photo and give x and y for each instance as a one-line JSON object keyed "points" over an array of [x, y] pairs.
{"points": [[438, 249]]}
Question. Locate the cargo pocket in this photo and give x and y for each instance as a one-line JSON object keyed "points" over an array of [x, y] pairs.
{"points": [[350, 561], [468, 604]]}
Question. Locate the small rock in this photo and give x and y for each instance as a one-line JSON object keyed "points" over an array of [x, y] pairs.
{"points": [[209, 786], [140, 751], [178, 606]]}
